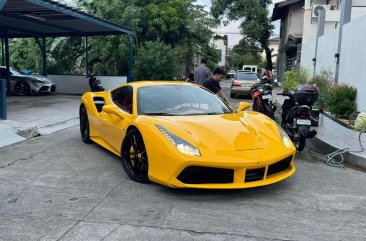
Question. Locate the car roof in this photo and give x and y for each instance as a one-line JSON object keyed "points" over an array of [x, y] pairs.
{"points": [[144, 83]]}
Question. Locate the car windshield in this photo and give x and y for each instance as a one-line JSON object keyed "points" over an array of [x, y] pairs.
{"points": [[247, 76], [232, 71], [179, 100], [14, 71]]}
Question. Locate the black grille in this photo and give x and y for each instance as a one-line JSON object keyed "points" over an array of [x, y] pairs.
{"points": [[254, 174], [202, 175], [279, 166]]}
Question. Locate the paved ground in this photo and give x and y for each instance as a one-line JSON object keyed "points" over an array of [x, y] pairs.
{"points": [[57, 188], [54, 187]]}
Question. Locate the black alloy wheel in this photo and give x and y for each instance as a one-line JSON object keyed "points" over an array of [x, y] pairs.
{"points": [[134, 157], [22, 88], [84, 125]]}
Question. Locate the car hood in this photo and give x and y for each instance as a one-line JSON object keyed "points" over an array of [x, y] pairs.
{"points": [[34, 77], [228, 132]]}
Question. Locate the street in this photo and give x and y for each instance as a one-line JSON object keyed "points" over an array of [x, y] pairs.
{"points": [[55, 187]]}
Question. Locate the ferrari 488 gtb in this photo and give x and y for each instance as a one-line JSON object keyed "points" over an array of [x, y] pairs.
{"points": [[181, 135]]}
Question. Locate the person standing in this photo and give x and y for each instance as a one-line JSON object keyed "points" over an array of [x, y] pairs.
{"points": [[213, 83], [267, 74], [202, 73]]}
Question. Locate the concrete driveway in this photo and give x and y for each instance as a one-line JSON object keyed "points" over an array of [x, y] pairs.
{"points": [[55, 187]]}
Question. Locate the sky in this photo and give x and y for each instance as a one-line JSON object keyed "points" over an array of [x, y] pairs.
{"points": [[233, 27]]}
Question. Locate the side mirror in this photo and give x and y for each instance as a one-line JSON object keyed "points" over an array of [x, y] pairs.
{"points": [[243, 106], [113, 110]]}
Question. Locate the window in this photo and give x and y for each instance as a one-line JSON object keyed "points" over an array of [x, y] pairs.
{"points": [[123, 97]]}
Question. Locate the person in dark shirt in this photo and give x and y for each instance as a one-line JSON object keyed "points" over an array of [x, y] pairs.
{"points": [[213, 83]]}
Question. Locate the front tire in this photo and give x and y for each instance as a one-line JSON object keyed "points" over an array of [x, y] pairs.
{"points": [[22, 88], [134, 157], [84, 125]]}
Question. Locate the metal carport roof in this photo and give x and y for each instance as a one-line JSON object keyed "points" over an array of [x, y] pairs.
{"points": [[45, 18]]}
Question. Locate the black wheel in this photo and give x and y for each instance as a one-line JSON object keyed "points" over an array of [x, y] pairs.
{"points": [[84, 125], [300, 143], [232, 95], [21, 88], [134, 157]]}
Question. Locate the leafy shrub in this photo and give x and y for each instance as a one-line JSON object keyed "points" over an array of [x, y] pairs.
{"points": [[324, 81], [295, 77], [361, 125], [341, 100]]}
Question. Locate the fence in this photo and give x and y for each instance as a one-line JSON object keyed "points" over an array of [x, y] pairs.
{"points": [[352, 61]]}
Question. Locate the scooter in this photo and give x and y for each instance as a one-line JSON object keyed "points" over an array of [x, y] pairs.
{"points": [[296, 114], [262, 98], [95, 85]]}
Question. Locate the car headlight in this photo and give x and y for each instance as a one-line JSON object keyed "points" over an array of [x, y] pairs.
{"points": [[285, 139], [37, 81], [179, 143]]}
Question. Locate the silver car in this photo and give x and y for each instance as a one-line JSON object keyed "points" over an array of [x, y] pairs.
{"points": [[22, 84], [243, 83]]}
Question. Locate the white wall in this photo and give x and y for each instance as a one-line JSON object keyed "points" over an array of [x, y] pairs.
{"points": [[352, 68], [328, 45], [77, 84], [220, 45], [307, 55], [353, 58]]}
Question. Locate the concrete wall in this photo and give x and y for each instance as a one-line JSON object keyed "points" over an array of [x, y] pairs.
{"points": [[220, 46], [77, 84], [328, 45], [353, 58], [352, 61]]}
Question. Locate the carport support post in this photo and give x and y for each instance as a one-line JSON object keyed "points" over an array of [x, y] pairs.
{"points": [[7, 63], [86, 56], [2, 52], [130, 75], [44, 57]]}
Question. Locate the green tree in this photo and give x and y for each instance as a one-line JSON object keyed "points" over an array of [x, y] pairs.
{"points": [[156, 61], [255, 26], [244, 53]]}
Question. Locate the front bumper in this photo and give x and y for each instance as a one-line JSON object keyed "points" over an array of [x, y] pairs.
{"points": [[235, 175], [46, 88]]}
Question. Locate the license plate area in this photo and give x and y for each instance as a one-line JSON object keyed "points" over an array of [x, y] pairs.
{"points": [[304, 122], [267, 97]]}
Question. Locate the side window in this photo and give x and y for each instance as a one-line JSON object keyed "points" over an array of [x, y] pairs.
{"points": [[123, 97]]}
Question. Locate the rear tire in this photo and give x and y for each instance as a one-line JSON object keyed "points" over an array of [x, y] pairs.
{"points": [[300, 143], [21, 88], [134, 157], [232, 96]]}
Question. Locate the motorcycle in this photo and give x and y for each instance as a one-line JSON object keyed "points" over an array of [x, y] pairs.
{"points": [[261, 94], [296, 114], [95, 85]]}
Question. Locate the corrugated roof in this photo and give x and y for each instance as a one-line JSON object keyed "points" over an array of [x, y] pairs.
{"points": [[46, 18]]}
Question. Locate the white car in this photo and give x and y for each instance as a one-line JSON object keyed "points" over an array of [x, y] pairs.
{"points": [[22, 84]]}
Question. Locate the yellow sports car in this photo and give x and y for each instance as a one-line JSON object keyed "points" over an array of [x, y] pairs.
{"points": [[181, 135]]}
